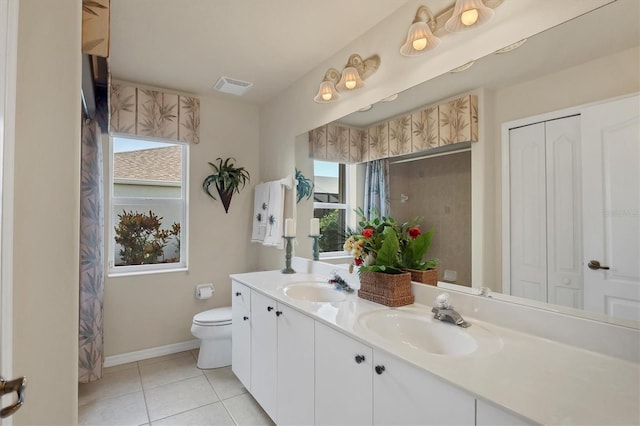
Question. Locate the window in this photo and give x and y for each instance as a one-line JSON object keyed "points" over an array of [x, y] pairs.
{"points": [[148, 205], [331, 205]]}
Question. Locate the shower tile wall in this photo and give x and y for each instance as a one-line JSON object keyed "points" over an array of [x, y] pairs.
{"points": [[439, 189]]}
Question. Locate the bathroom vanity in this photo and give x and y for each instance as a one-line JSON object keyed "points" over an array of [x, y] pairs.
{"points": [[310, 354]]}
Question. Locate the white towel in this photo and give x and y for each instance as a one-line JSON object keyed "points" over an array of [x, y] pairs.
{"points": [[275, 220], [260, 212]]}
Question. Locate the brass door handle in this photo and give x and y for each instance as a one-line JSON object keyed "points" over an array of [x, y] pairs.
{"points": [[8, 386], [595, 265]]}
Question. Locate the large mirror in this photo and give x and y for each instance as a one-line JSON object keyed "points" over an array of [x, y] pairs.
{"points": [[557, 69]]}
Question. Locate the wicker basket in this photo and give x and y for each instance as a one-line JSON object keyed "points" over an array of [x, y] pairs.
{"points": [[386, 289], [428, 276]]}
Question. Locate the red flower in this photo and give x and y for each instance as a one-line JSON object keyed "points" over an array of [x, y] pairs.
{"points": [[414, 233], [357, 261], [367, 232]]}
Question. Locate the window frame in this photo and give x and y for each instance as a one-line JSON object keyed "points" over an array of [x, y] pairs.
{"points": [[346, 172], [114, 203]]}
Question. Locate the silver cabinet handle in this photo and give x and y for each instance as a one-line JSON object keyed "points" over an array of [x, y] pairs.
{"points": [[595, 265], [16, 385]]}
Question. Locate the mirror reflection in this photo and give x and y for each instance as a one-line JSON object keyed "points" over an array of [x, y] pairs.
{"points": [[556, 70]]}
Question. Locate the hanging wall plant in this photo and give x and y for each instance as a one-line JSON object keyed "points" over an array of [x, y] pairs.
{"points": [[304, 187], [227, 178]]}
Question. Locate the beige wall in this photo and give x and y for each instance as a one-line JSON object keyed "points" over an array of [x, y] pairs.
{"points": [[47, 163], [293, 112], [147, 311]]}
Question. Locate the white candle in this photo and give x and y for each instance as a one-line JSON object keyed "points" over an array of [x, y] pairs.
{"points": [[289, 227], [315, 227]]}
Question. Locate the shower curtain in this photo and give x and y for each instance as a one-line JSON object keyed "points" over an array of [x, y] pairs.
{"points": [[91, 355], [376, 189]]}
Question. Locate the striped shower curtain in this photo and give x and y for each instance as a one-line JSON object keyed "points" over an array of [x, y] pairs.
{"points": [[376, 189], [91, 355]]}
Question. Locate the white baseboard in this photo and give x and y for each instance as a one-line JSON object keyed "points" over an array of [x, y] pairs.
{"points": [[112, 360]]}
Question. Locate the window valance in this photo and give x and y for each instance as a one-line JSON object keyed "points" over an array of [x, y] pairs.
{"points": [[147, 112]]}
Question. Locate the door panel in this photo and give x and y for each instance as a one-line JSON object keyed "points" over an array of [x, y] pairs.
{"points": [[611, 204], [528, 212]]}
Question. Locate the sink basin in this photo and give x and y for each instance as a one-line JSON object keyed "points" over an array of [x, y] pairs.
{"points": [[313, 292], [419, 331]]}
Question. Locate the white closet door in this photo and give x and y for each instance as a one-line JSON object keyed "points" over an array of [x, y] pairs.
{"points": [[564, 224], [527, 192], [611, 182]]}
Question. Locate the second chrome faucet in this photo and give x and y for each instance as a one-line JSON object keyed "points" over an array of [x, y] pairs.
{"points": [[444, 312]]}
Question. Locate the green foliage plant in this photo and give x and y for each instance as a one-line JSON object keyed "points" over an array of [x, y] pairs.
{"points": [[227, 179], [141, 238], [304, 188]]}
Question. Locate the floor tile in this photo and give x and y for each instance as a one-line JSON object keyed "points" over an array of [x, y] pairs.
{"points": [[164, 358], [120, 367], [169, 370], [113, 383], [213, 414], [225, 383], [174, 398], [121, 410], [246, 411]]}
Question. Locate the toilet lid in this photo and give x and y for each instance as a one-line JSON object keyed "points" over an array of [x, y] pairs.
{"points": [[218, 316]]}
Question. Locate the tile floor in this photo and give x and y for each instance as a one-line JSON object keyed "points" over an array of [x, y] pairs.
{"points": [[168, 390]]}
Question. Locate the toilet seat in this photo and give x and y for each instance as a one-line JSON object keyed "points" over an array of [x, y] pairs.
{"points": [[214, 317]]}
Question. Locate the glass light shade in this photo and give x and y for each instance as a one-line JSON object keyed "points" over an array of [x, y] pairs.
{"points": [[468, 14], [326, 93], [419, 40], [350, 79]]}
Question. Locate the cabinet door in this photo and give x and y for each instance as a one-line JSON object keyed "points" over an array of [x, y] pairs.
{"points": [[241, 333], [295, 368], [343, 385], [489, 415], [264, 352], [406, 395]]}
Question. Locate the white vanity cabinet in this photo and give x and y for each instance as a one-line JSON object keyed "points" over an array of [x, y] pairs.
{"points": [[343, 371], [241, 330], [356, 384], [282, 361], [407, 395]]}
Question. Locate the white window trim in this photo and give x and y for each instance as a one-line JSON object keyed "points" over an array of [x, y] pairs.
{"points": [[348, 207], [129, 270]]}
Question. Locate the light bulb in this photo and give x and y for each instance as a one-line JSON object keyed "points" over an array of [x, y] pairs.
{"points": [[469, 17], [420, 43], [327, 96], [350, 84]]}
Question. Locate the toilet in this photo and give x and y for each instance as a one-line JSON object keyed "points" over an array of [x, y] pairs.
{"points": [[213, 328]]}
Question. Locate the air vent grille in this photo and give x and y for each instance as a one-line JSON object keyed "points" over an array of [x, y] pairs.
{"points": [[232, 86]]}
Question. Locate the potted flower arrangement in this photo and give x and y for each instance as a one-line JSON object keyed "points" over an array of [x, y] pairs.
{"points": [[384, 249], [414, 245]]}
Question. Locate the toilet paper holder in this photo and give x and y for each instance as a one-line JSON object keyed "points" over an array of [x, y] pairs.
{"points": [[204, 291]]}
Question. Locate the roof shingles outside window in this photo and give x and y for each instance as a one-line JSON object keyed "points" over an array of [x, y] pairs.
{"points": [[158, 164]]}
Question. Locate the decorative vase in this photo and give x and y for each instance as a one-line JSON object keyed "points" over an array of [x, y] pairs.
{"points": [[387, 289], [427, 276]]}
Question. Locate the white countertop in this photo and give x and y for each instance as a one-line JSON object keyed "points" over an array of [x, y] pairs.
{"points": [[543, 380]]}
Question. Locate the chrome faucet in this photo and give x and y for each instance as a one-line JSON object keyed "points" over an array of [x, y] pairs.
{"points": [[444, 312]]}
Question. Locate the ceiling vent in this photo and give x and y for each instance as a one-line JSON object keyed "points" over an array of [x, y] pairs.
{"points": [[232, 86]]}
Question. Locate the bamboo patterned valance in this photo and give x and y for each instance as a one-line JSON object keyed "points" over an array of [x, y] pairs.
{"points": [[146, 112], [431, 127], [95, 27]]}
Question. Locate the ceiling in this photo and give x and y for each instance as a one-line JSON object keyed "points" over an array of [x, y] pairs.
{"points": [[566, 45], [186, 45]]}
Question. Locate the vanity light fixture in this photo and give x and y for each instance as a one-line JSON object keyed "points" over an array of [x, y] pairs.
{"points": [[351, 78], [468, 14], [420, 38], [327, 91]]}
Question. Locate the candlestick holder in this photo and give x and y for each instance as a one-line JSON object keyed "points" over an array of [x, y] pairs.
{"points": [[316, 247], [287, 262]]}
